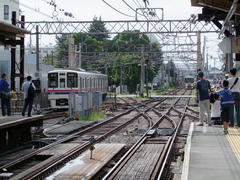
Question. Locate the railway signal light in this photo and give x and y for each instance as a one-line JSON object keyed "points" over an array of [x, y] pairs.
{"points": [[91, 148]]}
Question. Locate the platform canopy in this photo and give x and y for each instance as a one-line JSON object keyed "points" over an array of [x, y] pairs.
{"points": [[222, 5], [9, 32]]}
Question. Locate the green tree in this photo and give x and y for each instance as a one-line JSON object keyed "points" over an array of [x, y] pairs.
{"points": [[131, 70], [61, 52], [130, 41], [98, 26]]}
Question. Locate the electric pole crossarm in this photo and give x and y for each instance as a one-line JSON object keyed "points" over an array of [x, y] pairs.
{"points": [[115, 27]]}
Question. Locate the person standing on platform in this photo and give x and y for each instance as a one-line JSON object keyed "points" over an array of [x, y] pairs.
{"points": [[234, 86], [227, 103], [5, 95], [216, 110], [203, 88], [29, 92]]}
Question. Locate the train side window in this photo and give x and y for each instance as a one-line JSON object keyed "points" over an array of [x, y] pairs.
{"points": [[90, 83], [72, 80], [62, 83], [96, 83], [84, 83], [80, 83], [87, 86]]}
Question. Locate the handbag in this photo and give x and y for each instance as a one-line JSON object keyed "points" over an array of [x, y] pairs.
{"points": [[236, 96]]}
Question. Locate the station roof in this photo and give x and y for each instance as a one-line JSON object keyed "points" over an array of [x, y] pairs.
{"points": [[222, 5], [9, 31]]}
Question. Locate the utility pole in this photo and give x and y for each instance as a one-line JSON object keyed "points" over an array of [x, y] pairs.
{"points": [[147, 68], [52, 57], [71, 53], [204, 53], [80, 56], [207, 61], [121, 77], [214, 67], [230, 55], [37, 52], [106, 65], [142, 73], [198, 51]]}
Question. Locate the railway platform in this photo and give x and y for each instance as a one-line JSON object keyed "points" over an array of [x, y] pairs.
{"points": [[211, 155], [16, 129]]}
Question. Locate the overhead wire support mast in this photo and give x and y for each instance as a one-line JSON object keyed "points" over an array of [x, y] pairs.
{"points": [[229, 16], [116, 27]]}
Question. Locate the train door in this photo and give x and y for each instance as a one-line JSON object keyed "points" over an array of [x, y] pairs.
{"points": [[62, 80]]}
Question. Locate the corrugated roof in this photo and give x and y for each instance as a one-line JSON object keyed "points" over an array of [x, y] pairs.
{"points": [[9, 29], [222, 5]]}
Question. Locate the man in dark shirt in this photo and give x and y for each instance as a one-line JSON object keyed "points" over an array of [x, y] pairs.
{"points": [[5, 95], [203, 87]]}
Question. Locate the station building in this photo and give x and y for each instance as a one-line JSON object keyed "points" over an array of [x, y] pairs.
{"points": [[7, 7]]}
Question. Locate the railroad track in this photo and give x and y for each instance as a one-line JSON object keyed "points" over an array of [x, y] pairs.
{"points": [[124, 168], [101, 131]]}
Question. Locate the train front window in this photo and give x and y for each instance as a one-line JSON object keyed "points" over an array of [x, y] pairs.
{"points": [[189, 80], [62, 83], [72, 80], [53, 80]]}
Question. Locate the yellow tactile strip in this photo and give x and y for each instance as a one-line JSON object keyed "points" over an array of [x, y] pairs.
{"points": [[3, 117], [233, 138]]}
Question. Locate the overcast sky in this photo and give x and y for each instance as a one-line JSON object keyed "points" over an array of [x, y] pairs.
{"points": [[87, 9]]}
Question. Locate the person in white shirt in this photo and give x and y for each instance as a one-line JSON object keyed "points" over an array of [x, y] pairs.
{"points": [[215, 109], [234, 86]]}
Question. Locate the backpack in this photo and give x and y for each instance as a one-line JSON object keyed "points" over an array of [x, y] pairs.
{"points": [[31, 92], [226, 98]]}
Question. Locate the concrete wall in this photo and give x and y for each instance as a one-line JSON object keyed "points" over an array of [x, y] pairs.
{"points": [[13, 6], [29, 67]]}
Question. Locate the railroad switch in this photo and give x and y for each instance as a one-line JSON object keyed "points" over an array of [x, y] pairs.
{"points": [[92, 140], [152, 133]]}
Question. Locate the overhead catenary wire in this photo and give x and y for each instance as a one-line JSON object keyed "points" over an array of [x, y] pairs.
{"points": [[116, 9], [132, 8]]}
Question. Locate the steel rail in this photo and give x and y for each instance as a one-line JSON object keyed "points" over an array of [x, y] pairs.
{"points": [[73, 152], [171, 144], [68, 138], [114, 171], [75, 135], [79, 149]]}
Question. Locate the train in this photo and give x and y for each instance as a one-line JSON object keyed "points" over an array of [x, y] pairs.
{"points": [[189, 82], [65, 81]]}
